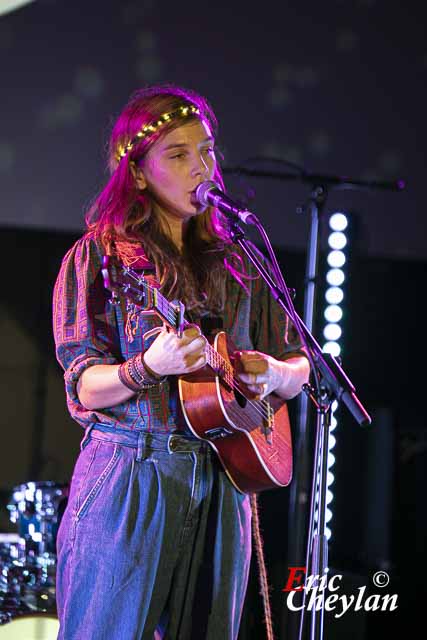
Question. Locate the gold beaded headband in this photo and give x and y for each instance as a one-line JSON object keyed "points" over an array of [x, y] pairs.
{"points": [[148, 130]]}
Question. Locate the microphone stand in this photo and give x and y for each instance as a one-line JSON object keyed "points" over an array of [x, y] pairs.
{"points": [[331, 384], [315, 179], [299, 492], [315, 563]]}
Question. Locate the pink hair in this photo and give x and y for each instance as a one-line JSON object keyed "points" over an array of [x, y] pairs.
{"points": [[122, 214], [114, 208]]}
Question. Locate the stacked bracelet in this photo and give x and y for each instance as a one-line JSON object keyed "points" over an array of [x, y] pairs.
{"points": [[135, 374]]}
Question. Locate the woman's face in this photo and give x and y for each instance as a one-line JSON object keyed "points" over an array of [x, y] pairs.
{"points": [[175, 165]]}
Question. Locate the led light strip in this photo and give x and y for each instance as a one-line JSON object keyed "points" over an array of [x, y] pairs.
{"points": [[333, 314]]}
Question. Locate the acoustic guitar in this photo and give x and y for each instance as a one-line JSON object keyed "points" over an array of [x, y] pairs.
{"points": [[252, 438]]}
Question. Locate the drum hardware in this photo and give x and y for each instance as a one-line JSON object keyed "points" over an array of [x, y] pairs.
{"points": [[36, 508], [28, 561]]}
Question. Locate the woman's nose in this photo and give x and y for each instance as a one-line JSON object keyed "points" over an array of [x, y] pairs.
{"points": [[200, 166]]}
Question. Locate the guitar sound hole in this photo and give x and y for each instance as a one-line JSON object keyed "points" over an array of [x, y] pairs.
{"points": [[240, 399]]}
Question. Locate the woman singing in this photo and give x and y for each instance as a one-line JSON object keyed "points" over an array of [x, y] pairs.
{"points": [[155, 537]]}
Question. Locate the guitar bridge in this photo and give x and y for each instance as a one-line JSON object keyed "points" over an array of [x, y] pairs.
{"points": [[218, 432], [268, 425]]}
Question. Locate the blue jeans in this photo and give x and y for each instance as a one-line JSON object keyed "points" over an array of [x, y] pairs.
{"points": [[154, 536]]}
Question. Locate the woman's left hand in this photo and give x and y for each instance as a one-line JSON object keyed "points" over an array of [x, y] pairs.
{"points": [[258, 371]]}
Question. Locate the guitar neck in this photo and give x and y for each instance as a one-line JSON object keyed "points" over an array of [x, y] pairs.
{"points": [[219, 365], [169, 312], [146, 297]]}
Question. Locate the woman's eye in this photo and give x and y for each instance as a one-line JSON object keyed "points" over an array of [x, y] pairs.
{"points": [[183, 154]]}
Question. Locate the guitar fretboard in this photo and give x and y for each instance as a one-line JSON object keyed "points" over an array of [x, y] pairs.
{"points": [[168, 311]]}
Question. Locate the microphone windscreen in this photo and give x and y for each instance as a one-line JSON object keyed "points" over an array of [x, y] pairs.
{"points": [[202, 191]]}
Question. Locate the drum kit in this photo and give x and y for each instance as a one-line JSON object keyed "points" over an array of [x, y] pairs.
{"points": [[28, 562]]}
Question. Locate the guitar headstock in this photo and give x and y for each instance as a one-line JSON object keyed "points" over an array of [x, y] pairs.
{"points": [[125, 282]]}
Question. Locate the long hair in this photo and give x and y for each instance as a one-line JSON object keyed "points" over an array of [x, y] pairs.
{"points": [[123, 218]]}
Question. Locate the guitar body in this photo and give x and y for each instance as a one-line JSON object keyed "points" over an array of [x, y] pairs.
{"points": [[253, 457]]}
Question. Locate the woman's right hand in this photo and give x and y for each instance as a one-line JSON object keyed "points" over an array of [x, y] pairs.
{"points": [[170, 355]]}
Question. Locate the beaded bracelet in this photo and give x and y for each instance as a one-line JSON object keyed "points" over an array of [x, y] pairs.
{"points": [[126, 379], [136, 375]]}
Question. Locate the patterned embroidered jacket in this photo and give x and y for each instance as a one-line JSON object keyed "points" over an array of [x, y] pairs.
{"points": [[89, 330]]}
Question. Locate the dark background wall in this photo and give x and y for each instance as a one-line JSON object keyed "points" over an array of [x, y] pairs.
{"points": [[338, 87]]}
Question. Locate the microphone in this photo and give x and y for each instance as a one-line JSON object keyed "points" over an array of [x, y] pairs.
{"points": [[209, 193]]}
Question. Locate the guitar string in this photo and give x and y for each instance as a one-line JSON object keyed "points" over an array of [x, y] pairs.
{"points": [[260, 406]]}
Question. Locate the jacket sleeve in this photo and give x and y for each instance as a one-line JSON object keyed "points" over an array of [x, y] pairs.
{"points": [[84, 322]]}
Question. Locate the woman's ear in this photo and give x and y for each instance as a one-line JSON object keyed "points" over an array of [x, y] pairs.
{"points": [[138, 174]]}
